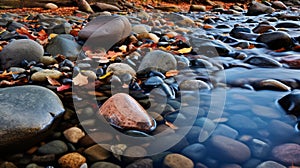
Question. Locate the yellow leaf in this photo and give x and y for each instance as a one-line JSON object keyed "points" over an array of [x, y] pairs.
{"points": [[123, 48], [52, 35], [106, 75], [185, 50], [80, 80]]}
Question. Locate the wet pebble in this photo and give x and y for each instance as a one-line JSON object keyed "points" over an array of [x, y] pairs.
{"points": [[96, 153], [18, 50], [257, 8], [287, 153], [32, 114], [276, 40], [178, 161], [56, 147], [104, 165], [41, 76], [74, 160], [120, 69], [196, 152], [73, 134], [145, 163], [158, 61], [229, 149], [122, 111]]}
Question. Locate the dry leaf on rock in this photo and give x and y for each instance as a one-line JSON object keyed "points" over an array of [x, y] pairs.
{"points": [[80, 80]]}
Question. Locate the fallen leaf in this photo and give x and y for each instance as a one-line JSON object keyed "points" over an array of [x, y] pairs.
{"points": [[123, 48], [53, 82], [172, 73], [185, 50], [6, 75], [80, 80], [106, 75], [171, 125], [24, 31], [63, 87]]}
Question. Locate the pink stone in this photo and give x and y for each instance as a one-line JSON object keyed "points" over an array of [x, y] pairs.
{"points": [[123, 111]]}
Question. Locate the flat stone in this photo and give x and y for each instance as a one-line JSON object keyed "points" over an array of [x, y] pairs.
{"points": [[124, 112], [288, 153], [280, 129], [276, 40], [96, 153], [225, 130], [224, 148], [120, 69], [145, 163], [46, 60], [50, 6], [56, 147], [105, 7], [105, 31], [64, 45], [18, 50], [71, 160], [239, 121], [104, 165], [196, 152], [42, 75], [158, 61], [194, 85], [268, 164], [197, 8], [34, 115], [178, 161]]}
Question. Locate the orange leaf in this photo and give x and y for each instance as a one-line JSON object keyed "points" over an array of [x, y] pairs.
{"points": [[172, 73], [42, 35], [80, 80], [171, 125], [207, 26], [24, 31], [280, 50], [53, 82]]}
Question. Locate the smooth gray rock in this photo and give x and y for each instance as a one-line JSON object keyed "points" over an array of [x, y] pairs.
{"points": [[227, 149], [27, 115], [105, 31], [257, 8], [159, 61], [57, 147], [287, 153], [65, 45], [18, 50], [276, 40]]}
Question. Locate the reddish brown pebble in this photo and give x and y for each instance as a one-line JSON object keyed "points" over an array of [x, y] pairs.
{"points": [[71, 160], [123, 111]]}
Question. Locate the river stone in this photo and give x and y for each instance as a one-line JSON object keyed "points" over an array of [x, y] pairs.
{"points": [[123, 111], [158, 61], [227, 149], [175, 160], [42, 75], [56, 147], [257, 8], [18, 50], [33, 115], [64, 45], [71, 160], [268, 164], [105, 31], [143, 163], [276, 40], [104, 165], [50, 6], [288, 153], [73, 134], [120, 69], [239, 121], [96, 153], [291, 103], [105, 7], [279, 5], [196, 152]]}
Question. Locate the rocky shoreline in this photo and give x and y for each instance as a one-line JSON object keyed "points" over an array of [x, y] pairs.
{"points": [[212, 86]]}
